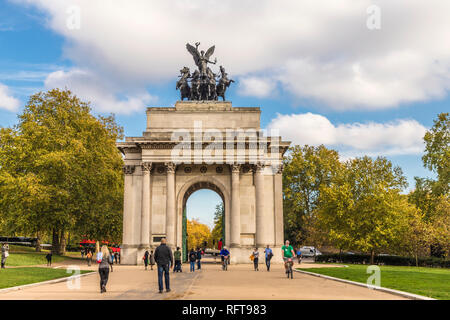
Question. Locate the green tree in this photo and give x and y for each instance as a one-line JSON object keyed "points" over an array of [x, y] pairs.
{"points": [[218, 229], [431, 197], [306, 170], [60, 170], [362, 208], [437, 152]]}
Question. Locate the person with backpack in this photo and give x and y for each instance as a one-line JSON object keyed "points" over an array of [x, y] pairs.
{"points": [[255, 259], [269, 254], [105, 261], [192, 259]]}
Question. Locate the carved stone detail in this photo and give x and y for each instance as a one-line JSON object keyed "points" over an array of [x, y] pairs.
{"points": [[170, 167], [235, 168], [128, 169], [146, 166], [259, 167]]}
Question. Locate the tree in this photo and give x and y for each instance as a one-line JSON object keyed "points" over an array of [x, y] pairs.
{"points": [[218, 229], [414, 233], [60, 170], [437, 152], [306, 170], [431, 197], [362, 208], [197, 233]]}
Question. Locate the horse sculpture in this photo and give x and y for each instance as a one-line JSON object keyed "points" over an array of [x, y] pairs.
{"points": [[223, 84], [183, 85]]}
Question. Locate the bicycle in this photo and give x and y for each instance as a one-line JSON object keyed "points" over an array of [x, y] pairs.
{"points": [[288, 266], [225, 263]]}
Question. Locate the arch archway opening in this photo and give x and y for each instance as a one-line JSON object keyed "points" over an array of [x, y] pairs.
{"points": [[203, 221]]}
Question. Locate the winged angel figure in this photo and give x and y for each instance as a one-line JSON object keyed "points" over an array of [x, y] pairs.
{"points": [[201, 58]]}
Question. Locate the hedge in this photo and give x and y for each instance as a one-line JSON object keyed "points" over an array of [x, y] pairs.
{"points": [[387, 260]]}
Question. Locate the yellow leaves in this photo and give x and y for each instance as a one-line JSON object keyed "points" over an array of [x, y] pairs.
{"points": [[197, 233]]}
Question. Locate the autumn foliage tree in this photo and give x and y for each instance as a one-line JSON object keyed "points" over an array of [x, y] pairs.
{"points": [[197, 234]]}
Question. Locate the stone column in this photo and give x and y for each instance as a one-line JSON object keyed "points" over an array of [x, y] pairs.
{"points": [[128, 205], [278, 205], [170, 204], [145, 215], [235, 207], [261, 224]]}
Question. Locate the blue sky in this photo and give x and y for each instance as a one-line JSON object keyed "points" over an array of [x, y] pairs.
{"points": [[318, 72]]}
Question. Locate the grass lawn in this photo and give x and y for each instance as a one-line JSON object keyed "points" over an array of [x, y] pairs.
{"points": [[430, 282], [20, 276], [29, 259]]}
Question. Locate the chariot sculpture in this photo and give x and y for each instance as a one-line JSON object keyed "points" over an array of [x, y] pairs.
{"points": [[204, 84]]}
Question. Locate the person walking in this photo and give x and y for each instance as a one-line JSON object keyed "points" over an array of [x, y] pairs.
{"points": [[220, 244], [145, 258], [299, 256], [164, 259], [192, 258], [152, 259], [116, 257], [89, 258], [5, 254], [105, 260], [199, 258], [177, 258], [269, 254], [112, 261], [256, 259], [49, 259]]}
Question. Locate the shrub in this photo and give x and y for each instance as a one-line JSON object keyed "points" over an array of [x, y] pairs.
{"points": [[387, 260]]}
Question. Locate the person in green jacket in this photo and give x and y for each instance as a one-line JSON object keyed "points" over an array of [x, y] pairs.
{"points": [[177, 258]]}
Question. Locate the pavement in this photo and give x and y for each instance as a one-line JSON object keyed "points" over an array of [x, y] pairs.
{"points": [[238, 283]]}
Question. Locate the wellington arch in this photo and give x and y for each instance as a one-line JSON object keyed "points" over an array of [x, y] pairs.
{"points": [[243, 167]]}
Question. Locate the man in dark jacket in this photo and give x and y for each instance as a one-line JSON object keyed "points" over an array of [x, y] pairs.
{"points": [[199, 258], [164, 259]]}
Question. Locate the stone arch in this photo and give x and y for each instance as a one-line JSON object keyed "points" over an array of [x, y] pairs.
{"points": [[197, 183]]}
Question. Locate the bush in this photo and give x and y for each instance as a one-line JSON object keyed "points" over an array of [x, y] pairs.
{"points": [[387, 260]]}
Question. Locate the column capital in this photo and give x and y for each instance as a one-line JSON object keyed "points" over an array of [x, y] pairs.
{"points": [[277, 168], [146, 166], [259, 167], [235, 168], [170, 166], [128, 169]]}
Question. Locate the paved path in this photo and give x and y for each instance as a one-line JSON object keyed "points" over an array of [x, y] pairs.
{"points": [[239, 282]]}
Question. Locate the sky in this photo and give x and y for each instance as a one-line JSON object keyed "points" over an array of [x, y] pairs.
{"points": [[362, 77]]}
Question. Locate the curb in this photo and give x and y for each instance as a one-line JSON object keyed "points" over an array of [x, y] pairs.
{"points": [[25, 286], [391, 291]]}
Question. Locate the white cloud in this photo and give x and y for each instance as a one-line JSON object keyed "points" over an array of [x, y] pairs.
{"points": [[256, 87], [100, 92], [399, 137], [7, 101], [321, 51]]}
